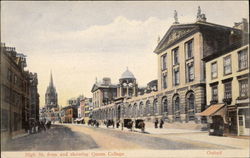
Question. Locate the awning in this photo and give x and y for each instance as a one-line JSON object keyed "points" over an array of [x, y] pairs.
{"points": [[212, 110]]}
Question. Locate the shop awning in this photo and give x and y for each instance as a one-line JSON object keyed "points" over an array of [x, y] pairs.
{"points": [[213, 109]]}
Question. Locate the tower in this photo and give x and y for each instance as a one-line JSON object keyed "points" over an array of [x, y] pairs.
{"points": [[127, 85], [51, 95]]}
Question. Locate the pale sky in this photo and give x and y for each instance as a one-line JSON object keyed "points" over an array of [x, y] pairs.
{"points": [[80, 41]]}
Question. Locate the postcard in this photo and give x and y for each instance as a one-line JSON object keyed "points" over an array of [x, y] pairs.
{"points": [[124, 79]]}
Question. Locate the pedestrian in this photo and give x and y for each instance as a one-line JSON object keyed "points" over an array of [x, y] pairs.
{"points": [[156, 123], [161, 123], [117, 124]]}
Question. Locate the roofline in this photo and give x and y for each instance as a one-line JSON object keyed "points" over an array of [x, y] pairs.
{"points": [[225, 51], [198, 23]]}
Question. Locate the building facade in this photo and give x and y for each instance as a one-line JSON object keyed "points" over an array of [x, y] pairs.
{"points": [[34, 97], [15, 94], [103, 92], [228, 85], [181, 94]]}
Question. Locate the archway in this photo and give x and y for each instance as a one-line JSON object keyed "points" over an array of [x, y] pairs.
{"points": [[190, 106], [176, 106]]}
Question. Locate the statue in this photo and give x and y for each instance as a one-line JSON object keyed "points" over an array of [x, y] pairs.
{"points": [[199, 12], [175, 17]]}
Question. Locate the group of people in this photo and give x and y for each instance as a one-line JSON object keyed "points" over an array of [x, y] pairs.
{"points": [[157, 122], [93, 123], [37, 126]]}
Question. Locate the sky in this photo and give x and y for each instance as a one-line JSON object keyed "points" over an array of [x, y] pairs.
{"points": [[81, 41]]}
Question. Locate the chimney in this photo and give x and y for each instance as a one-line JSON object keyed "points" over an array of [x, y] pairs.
{"points": [[106, 81], [242, 25]]}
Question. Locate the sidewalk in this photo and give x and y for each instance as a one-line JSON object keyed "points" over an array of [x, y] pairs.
{"points": [[219, 140]]}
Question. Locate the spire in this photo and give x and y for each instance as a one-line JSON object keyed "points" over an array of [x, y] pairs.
{"points": [[51, 80]]}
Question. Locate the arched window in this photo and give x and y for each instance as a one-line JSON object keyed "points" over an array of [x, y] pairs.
{"points": [[141, 108], [190, 106], [147, 107], [155, 106], [165, 104], [176, 105], [135, 110], [191, 102]]}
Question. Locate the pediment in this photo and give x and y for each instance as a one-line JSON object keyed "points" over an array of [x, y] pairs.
{"points": [[174, 34], [94, 88]]}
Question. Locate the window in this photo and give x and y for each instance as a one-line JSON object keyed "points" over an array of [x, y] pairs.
{"points": [[177, 104], [165, 105], [190, 72], [176, 77], [147, 107], [4, 120], [155, 110], [15, 79], [164, 81], [215, 93], [175, 53], [243, 88], [105, 95], [214, 70], [227, 65], [164, 62], [228, 90], [189, 49], [9, 75], [243, 59]]}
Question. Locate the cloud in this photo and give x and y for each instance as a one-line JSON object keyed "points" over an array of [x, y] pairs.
{"points": [[119, 36]]}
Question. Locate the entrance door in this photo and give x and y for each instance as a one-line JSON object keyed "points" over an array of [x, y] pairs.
{"points": [[241, 124]]}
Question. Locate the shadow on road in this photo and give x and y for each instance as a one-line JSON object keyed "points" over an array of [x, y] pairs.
{"points": [[55, 139]]}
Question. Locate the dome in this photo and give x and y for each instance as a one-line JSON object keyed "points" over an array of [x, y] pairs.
{"points": [[127, 74]]}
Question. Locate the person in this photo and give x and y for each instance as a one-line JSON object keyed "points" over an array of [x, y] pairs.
{"points": [[113, 123], [156, 123], [117, 124], [161, 123]]}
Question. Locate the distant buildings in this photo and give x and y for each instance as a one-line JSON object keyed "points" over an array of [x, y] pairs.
{"points": [[51, 95], [19, 97], [86, 109]]}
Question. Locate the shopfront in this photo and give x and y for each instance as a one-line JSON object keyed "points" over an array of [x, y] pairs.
{"points": [[243, 119], [217, 122]]}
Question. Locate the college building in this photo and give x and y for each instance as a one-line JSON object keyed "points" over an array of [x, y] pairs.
{"points": [[181, 92]]}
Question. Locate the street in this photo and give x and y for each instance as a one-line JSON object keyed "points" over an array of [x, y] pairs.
{"points": [[82, 137]]}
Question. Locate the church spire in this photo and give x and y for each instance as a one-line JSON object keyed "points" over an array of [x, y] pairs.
{"points": [[51, 80]]}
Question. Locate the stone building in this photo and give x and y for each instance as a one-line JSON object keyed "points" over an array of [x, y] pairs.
{"points": [[181, 94], [227, 77], [34, 97], [51, 95], [103, 92], [86, 109], [15, 94]]}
